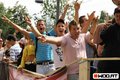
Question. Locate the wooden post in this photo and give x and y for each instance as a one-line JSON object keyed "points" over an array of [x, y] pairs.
{"points": [[84, 70]]}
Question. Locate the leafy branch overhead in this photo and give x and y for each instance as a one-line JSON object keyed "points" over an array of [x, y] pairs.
{"points": [[16, 14]]}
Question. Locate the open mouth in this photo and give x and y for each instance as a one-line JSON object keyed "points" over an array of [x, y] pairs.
{"points": [[41, 28], [60, 31]]}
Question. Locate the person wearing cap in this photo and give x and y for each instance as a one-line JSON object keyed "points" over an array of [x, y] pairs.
{"points": [[60, 30], [111, 40]]}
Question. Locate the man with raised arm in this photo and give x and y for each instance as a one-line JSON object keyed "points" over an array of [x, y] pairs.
{"points": [[73, 45], [44, 53]]}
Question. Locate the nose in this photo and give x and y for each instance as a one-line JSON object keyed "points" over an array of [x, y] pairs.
{"points": [[78, 31]]}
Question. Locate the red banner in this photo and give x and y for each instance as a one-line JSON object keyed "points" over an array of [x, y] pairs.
{"points": [[60, 74], [14, 74]]}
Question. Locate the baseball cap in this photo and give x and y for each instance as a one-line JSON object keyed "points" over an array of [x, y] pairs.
{"points": [[60, 21]]}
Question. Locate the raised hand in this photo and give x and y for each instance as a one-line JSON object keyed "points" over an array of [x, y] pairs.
{"points": [[28, 21], [20, 68], [96, 19], [42, 39], [62, 16], [93, 26], [77, 5], [91, 16], [66, 7]]}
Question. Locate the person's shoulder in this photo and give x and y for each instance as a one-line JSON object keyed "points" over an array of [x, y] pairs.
{"points": [[64, 37], [67, 35], [112, 26], [101, 25], [2, 49], [83, 34], [15, 46], [31, 33]]}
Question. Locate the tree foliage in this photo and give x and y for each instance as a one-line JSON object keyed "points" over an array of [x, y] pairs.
{"points": [[16, 14], [103, 16], [50, 10]]}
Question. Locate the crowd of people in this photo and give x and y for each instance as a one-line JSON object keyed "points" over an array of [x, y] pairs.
{"points": [[43, 52]]}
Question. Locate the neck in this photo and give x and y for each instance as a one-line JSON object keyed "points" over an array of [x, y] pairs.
{"points": [[14, 43], [74, 38]]}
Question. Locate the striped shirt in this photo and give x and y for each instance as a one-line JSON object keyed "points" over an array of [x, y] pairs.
{"points": [[44, 50]]}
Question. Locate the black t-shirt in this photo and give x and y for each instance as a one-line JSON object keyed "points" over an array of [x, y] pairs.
{"points": [[111, 40]]}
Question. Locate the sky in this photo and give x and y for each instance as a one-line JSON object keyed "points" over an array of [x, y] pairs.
{"points": [[86, 7]]}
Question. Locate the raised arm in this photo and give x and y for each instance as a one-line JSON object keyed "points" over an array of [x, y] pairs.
{"points": [[15, 26], [94, 25], [77, 7], [62, 16], [90, 19], [50, 39], [34, 29]]}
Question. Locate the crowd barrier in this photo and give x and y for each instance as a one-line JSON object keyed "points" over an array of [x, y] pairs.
{"points": [[10, 72]]}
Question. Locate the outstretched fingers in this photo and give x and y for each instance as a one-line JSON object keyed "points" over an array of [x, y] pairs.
{"points": [[27, 20]]}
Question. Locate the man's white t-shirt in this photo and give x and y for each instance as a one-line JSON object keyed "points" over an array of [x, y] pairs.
{"points": [[58, 63]]}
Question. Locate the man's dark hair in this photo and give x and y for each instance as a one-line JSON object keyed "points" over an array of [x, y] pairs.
{"points": [[73, 22], [81, 19], [11, 37], [60, 21], [117, 10], [39, 21]]}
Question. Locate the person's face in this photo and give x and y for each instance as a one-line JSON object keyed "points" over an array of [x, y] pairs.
{"points": [[8, 43], [41, 26], [75, 31], [60, 29], [117, 18], [84, 22]]}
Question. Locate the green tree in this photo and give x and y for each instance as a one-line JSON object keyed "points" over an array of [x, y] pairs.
{"points": [[49, 11], [16, 14], [2, 24], [103, 16]]}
